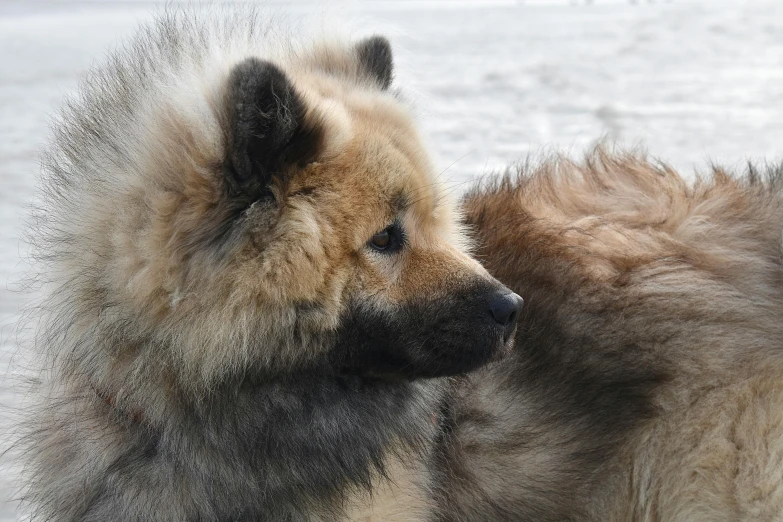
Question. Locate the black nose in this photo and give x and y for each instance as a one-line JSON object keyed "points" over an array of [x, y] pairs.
{"points": [[505, 308]]}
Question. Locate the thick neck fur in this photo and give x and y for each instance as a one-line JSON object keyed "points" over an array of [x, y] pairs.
{"points": [[291, 448]]}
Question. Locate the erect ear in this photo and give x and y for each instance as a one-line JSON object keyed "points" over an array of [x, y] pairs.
{"points": [[375, 58], [267, 126]]}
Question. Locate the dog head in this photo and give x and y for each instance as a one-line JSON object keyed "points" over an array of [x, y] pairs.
{"points": [[279, 214]]}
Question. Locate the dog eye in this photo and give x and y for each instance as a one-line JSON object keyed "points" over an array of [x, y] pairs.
{"points": [[388, 239], [381, 240]]}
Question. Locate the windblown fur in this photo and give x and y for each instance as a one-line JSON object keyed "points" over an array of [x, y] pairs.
{"points": [[646, 382], [256, 293], [252, 279]]}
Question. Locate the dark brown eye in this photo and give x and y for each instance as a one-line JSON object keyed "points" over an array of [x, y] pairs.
{"points": [[381, 240], [387, 240]]}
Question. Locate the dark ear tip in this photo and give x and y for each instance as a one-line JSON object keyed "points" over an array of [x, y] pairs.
{"points": [[376, 42], [251, 81], [375, 56], [265, 121]]}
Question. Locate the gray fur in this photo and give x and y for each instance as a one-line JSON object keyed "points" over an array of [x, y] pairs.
{"points": [[195, 334]]}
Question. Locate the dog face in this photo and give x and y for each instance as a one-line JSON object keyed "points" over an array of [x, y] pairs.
{"points": [[291, 219]]}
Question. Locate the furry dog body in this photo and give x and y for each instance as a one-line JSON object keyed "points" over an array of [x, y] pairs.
{"points": [[645, 383], [252, 281], [255, 290]]}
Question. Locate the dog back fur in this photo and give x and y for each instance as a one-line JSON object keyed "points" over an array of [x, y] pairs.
{"points": [[646, 378]]}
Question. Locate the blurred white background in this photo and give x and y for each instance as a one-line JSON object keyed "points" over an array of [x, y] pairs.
{"points": [[692, 81]]}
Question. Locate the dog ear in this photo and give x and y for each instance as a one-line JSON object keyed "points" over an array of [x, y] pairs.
{"points": [[268, 131], [375, 59]]}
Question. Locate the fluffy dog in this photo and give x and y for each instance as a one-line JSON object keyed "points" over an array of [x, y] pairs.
{"points": [[257, 297], [253, 286], [646, 382]]}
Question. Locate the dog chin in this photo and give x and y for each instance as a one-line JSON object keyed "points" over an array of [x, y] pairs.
{"points": [[381, 369]]}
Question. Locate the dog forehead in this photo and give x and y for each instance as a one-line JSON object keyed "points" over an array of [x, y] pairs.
{"points": [[379, 161], [393, 153], [348, 109], [390, 179], [373, 162]]}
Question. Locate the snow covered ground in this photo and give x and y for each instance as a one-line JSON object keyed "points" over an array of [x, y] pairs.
{"points": [[692, 81]]}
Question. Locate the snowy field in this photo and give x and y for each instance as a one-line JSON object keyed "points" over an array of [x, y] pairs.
{"points": [[692, 81]]}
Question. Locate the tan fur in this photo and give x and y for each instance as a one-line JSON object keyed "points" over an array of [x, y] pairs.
{"points": [[654, 305], [403, 496], [308, 256], [190, 316]]}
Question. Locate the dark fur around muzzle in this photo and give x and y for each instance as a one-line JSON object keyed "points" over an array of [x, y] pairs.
{"points": [[430, 336]]}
